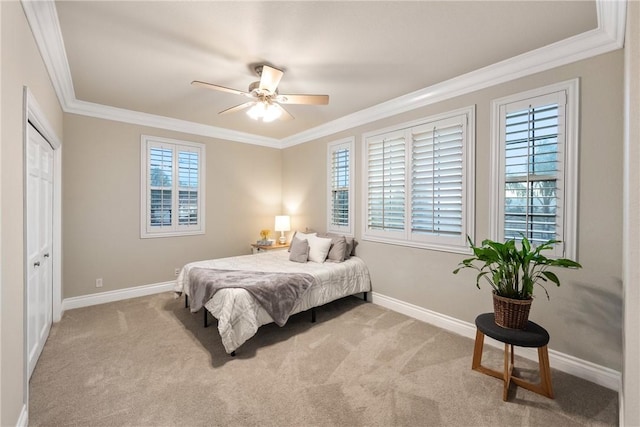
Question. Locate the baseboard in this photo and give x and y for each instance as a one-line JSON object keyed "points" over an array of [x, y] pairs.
{"points": [[117, 295], [589, 371], [23, 419]]}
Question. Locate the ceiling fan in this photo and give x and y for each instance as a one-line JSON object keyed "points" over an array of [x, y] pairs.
{"points": [[265, 99]]}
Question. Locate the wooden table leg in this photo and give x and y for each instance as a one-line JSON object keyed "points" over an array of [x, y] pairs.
{"points": [[477, 350], [545, 371], [507, 373]]}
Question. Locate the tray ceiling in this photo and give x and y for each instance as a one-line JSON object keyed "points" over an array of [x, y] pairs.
{"points": [[142, 56]]}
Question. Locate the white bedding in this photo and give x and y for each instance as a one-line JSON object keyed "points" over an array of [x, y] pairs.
{"points": [[239, 315]]}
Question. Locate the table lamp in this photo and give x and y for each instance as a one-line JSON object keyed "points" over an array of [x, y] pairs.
{"points": [[282, 224]]}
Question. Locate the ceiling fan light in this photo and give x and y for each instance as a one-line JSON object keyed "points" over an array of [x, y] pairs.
{"points": [[257, 111], [271, 113]]}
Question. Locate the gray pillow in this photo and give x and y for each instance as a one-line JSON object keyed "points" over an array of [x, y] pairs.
{"points": [[354, 243], [338, 249], [299, 250], [351, 244]]}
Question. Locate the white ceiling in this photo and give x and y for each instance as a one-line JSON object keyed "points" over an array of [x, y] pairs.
{"points": [[142, 56]]}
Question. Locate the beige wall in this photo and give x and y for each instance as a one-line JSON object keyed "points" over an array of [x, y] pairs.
{"points": [[584, 315], [21, 65], [631, 369], [1, 259], [101, 206]]}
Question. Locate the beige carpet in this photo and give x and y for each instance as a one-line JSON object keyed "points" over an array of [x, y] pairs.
{"points": [[149, 362]]}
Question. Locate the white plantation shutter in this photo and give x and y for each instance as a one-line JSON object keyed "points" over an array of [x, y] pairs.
{"points": [[386, 182], [535, 158], [437, 178], [340, 201], [532, 171], [188, 180], [172, 184], [161, 188], [419, 183]]}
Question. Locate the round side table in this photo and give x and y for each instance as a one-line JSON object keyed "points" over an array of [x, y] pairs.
{"points": [[533, 335]]}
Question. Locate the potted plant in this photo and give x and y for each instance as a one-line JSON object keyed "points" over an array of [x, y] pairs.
{"points": [[511, 270]]}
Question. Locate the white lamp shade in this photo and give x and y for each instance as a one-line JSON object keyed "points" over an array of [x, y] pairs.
{"points": [[283, 223]]}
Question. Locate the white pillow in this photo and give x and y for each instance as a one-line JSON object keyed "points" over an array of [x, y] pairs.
{"points": [[298, 235], [318, 248], [303, 236]]}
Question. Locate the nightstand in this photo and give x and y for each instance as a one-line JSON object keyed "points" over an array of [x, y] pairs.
{"points": [[256, 249]]}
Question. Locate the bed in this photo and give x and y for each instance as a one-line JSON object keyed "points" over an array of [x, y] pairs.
{"points": [[238, 312]]}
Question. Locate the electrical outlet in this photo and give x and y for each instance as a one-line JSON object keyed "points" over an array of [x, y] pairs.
{"points": [[99, 282], [176, 271]]}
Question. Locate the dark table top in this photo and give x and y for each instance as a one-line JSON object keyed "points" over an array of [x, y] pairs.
{"points": [[533, 335]]}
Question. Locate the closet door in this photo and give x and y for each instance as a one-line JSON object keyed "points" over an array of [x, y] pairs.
{"points": [[39, 208]]}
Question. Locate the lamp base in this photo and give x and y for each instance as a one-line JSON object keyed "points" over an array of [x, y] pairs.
{"points": [[282, 238]]}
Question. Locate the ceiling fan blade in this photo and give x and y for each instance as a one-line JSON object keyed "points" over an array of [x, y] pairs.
{"points": [[220, 88], [270, 78], [237, 108], [304, 99], [285, 114]]}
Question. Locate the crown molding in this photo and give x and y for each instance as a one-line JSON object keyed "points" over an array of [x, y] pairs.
{"points": [[45, 26], [169, 123], [608, 36]]}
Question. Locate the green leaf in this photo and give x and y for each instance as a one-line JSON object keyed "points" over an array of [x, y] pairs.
{"points": [[566, 263], [551, 276]]}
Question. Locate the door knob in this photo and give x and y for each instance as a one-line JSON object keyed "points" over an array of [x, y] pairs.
{"points": [[36, 264], [46, 255]]}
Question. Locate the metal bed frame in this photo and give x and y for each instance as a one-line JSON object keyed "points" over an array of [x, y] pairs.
{"points": [[206, 313]]}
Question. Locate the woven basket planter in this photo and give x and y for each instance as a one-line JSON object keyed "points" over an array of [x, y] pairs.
{"points": [[511, 313]]}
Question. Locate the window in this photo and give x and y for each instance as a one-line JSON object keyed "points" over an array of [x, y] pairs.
{"points": [[419, 182], [340, 201], [172, 187], [535, 157], [386, 183]]}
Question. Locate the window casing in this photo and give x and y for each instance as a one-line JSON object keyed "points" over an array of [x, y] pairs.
{"points": [[340, 161], [534, 165], [418, 182], [172, 187]]}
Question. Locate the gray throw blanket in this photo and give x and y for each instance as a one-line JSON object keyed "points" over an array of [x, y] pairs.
{"points": [[277, 293]]}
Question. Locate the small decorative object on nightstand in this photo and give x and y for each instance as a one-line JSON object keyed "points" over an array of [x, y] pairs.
{"points": [[282, 224], [264, 236]]}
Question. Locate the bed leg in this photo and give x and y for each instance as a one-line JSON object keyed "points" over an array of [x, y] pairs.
{"points": [[233, 353], [313, 315], [206, 324], [186, 301], [365, 296]]}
